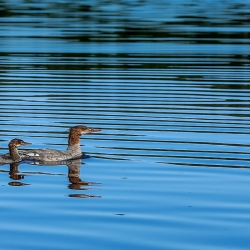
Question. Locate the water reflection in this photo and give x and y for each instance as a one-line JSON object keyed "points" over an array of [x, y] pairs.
{"points": [[15, 175], [169, 83], [74, 175], [74, 166]]}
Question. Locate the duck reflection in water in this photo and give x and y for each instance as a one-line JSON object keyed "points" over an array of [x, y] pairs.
{"points": [[14, 175], [74, 175], [76, 183]]}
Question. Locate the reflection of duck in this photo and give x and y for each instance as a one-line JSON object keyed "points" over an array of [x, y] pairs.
{"points": [[14, 175], [13, 155], [76, 182], [74, 166], [74, 174], [73, 151]]}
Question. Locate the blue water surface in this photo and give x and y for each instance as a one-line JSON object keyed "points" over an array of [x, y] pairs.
{"points": [[168, 84]]}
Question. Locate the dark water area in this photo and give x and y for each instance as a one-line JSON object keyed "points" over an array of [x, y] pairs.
{"points": [[169, 85]]}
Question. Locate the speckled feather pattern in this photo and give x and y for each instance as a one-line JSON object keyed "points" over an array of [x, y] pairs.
{"points": [[6, 159], [72, 152]]}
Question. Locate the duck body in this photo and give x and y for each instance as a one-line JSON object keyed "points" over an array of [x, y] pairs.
{"points": [[44, 155], [6, 159], [52, 155]]}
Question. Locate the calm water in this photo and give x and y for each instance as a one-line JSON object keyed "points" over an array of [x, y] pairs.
{"points": [[168, 84]]}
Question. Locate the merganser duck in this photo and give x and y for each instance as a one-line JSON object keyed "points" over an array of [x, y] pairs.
{"points": [[73, 151], [13, 155]]}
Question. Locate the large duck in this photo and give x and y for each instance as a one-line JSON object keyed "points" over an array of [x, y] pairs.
{"points": [[73, 151]]}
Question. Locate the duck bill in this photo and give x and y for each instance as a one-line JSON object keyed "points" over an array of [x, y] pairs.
{"points": [[92, 130], [26, 143]]}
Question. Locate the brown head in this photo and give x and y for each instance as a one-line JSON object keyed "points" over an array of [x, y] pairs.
{"points": [[13, 145], [76, 132], [17, 143]]}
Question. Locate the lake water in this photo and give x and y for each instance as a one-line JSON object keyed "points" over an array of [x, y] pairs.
{"points": [[168, 84]]}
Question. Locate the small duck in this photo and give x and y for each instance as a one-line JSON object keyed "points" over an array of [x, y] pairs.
{"points": [[13, 155], [73, 151]]}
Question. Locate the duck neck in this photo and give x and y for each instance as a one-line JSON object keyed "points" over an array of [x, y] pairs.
{"points": [[14, 155], [74, 142]]}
